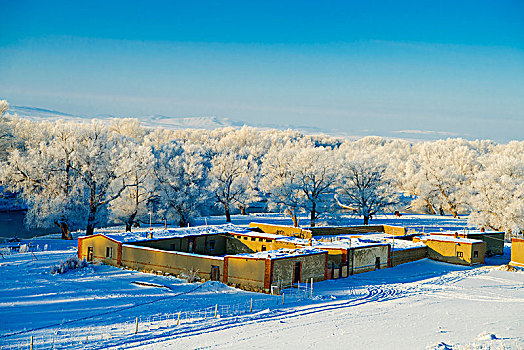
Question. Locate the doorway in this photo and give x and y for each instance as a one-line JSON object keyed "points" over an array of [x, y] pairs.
{"points": [[377, 263], [297, 272], [215, 273], [89, 253]]}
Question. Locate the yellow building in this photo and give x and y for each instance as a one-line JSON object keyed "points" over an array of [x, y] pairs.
{"points": [[455, 250], [517, 252], [240, 258], [494, 239]]}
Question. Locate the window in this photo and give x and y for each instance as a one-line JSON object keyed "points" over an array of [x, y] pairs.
{"points": [[263, 248], [253, 238], [245, 238], [475, 254], [268, 240], [460, 254], [260, 239], [212, 245], [109, 252]]}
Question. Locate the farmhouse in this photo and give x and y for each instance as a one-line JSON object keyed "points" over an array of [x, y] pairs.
{"points": [[229, 254], [251, 260], [517, 252]]}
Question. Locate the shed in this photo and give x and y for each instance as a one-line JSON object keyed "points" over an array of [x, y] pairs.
{"points": [[455, 250]]}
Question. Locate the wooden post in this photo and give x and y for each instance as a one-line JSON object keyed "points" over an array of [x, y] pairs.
{"points": [[178, 319], [216, 310], [136, 325], [165, 224], [31, 346], [312, 287], [251, 307], [87, 336], [283, 295]]}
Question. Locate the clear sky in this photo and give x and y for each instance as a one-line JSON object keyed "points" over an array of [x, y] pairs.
{"points": [[428, 69]]}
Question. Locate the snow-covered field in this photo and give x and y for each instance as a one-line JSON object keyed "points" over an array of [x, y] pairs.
{"points": [[418, 305]]}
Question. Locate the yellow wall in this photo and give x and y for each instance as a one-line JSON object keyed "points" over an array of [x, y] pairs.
{"points": [[282, 230], [247, 273], [99, 244], [202, 244], [517, 252], [394, 230], [447, 251], [175, 263], [255, 244]]}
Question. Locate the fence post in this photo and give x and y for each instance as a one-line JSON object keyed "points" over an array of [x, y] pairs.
{"points": [[216, 310], [283, 294], [87, 336], [136, 325], [312, 287], [31, 347], [178, 319], [251, 307]]}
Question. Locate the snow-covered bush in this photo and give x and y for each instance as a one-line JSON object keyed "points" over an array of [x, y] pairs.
{"points": [[24, 248], [70, 264]]}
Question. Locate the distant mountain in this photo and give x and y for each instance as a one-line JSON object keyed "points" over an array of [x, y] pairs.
{"points": [[168, 122]]}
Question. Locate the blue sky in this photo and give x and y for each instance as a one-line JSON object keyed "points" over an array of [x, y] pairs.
{"points": [[428, 69]]}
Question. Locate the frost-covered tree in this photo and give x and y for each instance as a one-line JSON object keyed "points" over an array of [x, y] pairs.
{"points": [[498, 190], [229, 180], [364, 186], [299, 177], [182, 181], [131, 206], [280, 183], [446, 168], [98, 161], [41, 171]]}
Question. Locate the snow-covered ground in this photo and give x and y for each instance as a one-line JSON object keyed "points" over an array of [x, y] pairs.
{"points": [[424, 304]]}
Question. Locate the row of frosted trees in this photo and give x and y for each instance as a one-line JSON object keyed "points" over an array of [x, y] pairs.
{"points": [[83, 175]]}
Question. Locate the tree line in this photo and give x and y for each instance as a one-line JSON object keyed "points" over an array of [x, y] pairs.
{"points": [[89, 174]]}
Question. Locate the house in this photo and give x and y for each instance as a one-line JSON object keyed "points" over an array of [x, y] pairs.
{"points": [[494, 239], [517, 252], [454, 249]]}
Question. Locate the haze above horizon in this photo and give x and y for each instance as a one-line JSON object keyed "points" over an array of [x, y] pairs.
{"points": [[387, 68]]}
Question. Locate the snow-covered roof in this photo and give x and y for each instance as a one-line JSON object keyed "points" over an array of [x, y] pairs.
{"points": [[441, 238], [161, 233], [467, 232], [282, 253]]}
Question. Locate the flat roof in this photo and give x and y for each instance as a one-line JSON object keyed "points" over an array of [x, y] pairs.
{"points": [[171, 232], [281, 253], [466, 233], [441, 238]]}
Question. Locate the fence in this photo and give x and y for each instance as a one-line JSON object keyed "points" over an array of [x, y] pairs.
{"points": [[142, 326]]}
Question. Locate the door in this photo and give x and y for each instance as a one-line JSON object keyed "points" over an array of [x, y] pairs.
{"points": [[191, 245], [297, 271], [377, 263], [89, 253], [215, 273]]}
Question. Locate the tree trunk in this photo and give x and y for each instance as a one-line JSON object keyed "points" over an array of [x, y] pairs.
{"points": [[65, 229], [91, 221], [430, 207], [228, 215], [313, 214], [366, 219], [130, 222], [243, 210], [182, 222]]}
